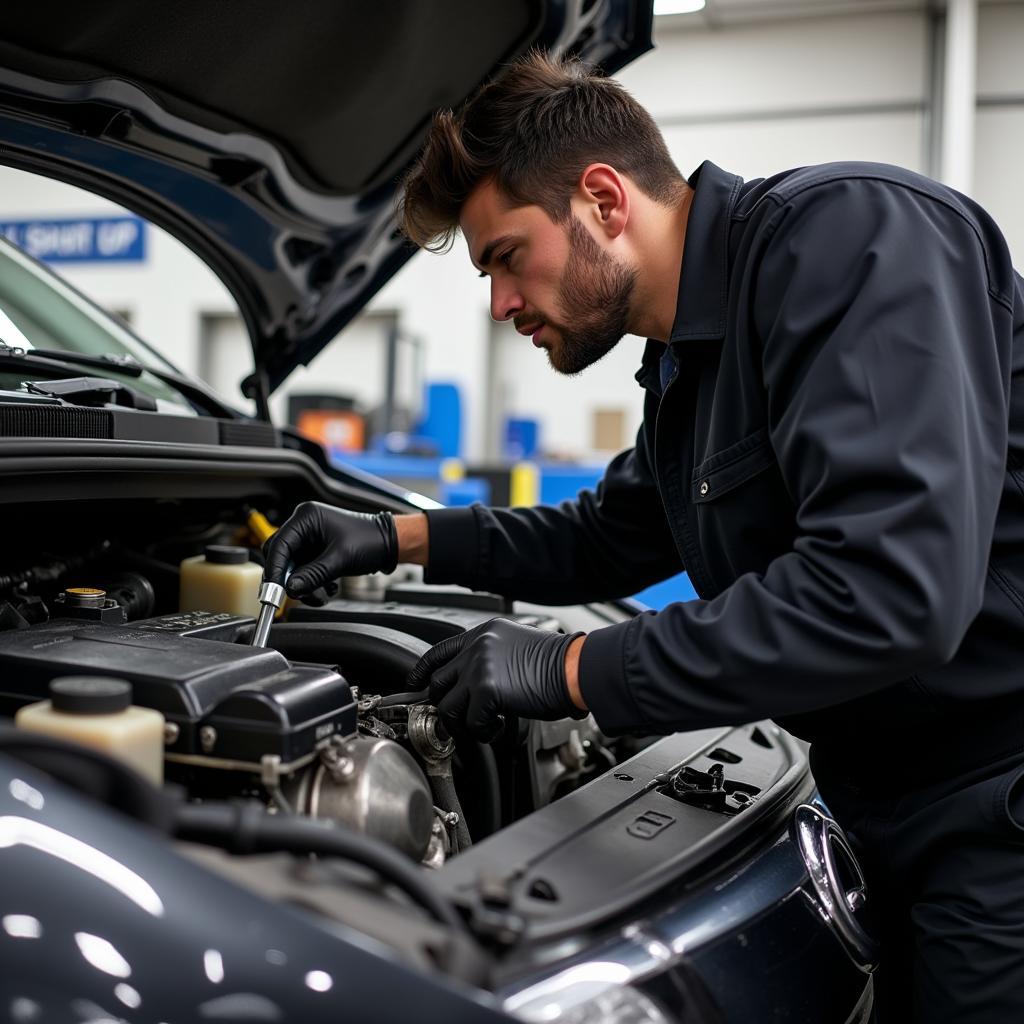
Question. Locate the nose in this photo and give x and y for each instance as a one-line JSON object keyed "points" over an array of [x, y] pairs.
{"points": [[506, 302]]}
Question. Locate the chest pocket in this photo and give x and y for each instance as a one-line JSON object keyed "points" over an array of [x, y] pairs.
{"points": [[743, 514], [731, 466]]}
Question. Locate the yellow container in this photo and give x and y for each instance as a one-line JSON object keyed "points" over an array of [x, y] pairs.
{"points": [[98, 713], [222, 579], [524, 484]]}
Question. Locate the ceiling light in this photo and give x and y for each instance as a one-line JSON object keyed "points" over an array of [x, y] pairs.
{"points": [[678, 6]]}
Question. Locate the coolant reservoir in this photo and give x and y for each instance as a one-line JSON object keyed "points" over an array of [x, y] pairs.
{"points": [[222, 579], [98, 713]]}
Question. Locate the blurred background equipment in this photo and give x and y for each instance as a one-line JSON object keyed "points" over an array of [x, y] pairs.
{"points": [[329, 419]]}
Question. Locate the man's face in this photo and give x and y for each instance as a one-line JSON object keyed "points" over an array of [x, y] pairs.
{"points": [[552, 280]]}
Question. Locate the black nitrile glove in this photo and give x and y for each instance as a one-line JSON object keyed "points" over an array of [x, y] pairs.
{"points": [[497, 668], [324, 542]]}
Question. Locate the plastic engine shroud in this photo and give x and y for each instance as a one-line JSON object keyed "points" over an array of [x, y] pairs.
{"points": [[189, 668]]}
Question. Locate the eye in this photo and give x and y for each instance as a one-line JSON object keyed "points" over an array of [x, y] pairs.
{"points": [[506, 257]]}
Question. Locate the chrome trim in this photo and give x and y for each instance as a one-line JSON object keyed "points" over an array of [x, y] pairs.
{"points": [[820, 839], [271, 598]]}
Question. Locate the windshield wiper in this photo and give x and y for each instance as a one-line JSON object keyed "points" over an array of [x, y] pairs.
{"points": [[10, 355], [68, 362], [93, 391]]}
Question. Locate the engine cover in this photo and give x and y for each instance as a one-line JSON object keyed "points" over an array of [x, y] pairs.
{"points": [[229, 702]]}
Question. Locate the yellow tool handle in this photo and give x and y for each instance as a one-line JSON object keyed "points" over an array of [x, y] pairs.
{"points": [[260, 527], [262, 530]]}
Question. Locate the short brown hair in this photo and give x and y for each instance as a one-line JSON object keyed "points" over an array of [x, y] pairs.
{"points": [[533, 129]]}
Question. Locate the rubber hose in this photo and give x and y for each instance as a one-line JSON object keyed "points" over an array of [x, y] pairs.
{"points": [[443, 789], [382, 657], [245, 828], [485, 766]]}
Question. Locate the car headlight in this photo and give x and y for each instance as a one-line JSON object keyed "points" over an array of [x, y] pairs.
{"points": [[621, 1005]]}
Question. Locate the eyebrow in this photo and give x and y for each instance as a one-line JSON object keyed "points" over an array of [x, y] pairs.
{"points": [[488, 253]]}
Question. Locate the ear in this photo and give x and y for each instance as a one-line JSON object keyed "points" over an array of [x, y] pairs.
{"points": [[603, 196]]}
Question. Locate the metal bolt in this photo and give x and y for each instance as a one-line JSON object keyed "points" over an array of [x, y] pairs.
{"points": [[704, 488], [207, 738], [171, 733], [341, 767], [270, 770]]}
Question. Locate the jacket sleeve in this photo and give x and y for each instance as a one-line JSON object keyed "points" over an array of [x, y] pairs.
{"points": [[885, 362], [606, 543]]}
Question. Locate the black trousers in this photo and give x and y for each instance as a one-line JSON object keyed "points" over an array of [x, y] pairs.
{"points": [[944, 864]]}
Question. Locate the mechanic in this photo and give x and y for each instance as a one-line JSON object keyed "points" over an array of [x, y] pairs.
{"points": [[832, 447]]}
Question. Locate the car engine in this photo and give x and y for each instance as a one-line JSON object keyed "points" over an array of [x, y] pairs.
{"points": [[318, 723]]}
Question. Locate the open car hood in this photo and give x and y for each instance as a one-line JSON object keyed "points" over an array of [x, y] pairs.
{"points": [[269, 137]]}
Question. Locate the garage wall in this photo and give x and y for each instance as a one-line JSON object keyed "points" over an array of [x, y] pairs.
{"points": [[765, 97], [999, 143], [755, 99]]}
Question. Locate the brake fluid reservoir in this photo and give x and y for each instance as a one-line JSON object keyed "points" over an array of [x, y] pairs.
{"points": [[222, 579], [98, 712]]}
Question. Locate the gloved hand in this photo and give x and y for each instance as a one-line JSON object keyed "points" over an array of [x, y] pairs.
{"points": [[323, 543], [499, 667]]}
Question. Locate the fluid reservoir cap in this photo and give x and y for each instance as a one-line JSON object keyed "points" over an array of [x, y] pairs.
{"points": [[90, 695], [84, 597], [224, 554]]}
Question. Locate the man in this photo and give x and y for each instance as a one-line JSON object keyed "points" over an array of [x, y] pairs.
{"points": [[833, 448]]}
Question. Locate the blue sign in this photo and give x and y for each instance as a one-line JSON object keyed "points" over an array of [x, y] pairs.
{"points": [[103, 239]]}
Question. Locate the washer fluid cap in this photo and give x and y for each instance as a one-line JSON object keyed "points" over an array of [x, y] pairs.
{"points": [[224, 554], [90, 695]]}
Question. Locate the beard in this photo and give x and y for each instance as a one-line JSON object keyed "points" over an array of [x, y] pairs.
{"points": [[593, 296]]}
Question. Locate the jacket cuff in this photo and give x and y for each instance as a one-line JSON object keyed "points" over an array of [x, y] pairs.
{"points": [[453, 546], [603, 681]]}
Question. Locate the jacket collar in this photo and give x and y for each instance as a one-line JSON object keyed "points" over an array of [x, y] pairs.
{"points": [[704, 278]]}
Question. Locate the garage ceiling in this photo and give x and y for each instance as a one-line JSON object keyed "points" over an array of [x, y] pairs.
{"points": [[736, 12]]}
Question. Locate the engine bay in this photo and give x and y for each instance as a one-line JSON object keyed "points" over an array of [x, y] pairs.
{"points": [[495, 847], [318, 723]]}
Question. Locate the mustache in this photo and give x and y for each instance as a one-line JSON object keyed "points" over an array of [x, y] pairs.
{"points": [[528, 321]]}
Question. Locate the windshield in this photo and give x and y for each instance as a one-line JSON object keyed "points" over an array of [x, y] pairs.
{"points": [[40, 310]]}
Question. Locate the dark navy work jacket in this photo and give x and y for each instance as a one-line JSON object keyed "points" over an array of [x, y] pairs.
{"points": [[837, 462]]}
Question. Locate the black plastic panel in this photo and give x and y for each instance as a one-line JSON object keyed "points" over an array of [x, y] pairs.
{"points": [[257, 702], [622, 836], [33, 420], [208, 625], [30, 419], [155, 426], [248, 433], [430, 622]]}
